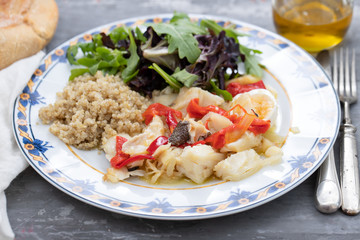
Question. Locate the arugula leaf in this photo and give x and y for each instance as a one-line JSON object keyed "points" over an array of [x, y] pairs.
{"points": [[77, 72], [71, 54], [216, 28], [112, 71], [186, 45], [179, 33], [168, 79], [210, 24], [97, 40], [252, 65], [100, 65], [184, 23], [119, 58], [177, 16], [185, 77], [231, 32], [119, 33], [132, 62], [87, 47], [87, 62], [139, 35], [104, 53], [226, 95]]}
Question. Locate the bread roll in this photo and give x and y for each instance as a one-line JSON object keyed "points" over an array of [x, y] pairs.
{"points": [[26, 26]]}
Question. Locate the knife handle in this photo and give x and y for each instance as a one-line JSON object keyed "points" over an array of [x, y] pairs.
{"points": [[328, 193], [349, 170]]}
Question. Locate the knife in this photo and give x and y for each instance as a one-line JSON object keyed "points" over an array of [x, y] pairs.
{"points": [[328, 193]]}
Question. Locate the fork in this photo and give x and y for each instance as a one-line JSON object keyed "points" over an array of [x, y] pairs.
{"points": [[345, 83]]}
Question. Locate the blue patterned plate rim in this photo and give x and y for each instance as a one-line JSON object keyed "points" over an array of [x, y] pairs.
{"points": [[33, 149]]}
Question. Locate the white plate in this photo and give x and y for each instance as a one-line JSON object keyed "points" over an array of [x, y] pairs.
{"points": [[307, 101]]}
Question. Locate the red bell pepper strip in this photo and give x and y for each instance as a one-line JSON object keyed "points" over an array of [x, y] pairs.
{"points": [[259, 126], [119, 143], [120, 155], [232, 133], [118, 158], [132, 159], [122, 159], [235, 88], [161, 110], [196, 111], [217, 140], [171, 121], [162, 140]]}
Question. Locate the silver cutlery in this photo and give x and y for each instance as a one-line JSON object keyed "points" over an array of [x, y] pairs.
{"points": [[328, 193], [345, 82]]}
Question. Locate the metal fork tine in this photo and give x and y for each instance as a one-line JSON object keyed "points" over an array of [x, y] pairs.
{"points": [[347, 73], [353, 76], [335, 73], [341, 74]]}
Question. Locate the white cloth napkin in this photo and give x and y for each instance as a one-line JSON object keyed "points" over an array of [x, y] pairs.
{"points": [[13, 80]]}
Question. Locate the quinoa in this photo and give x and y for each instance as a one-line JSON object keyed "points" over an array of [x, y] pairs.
{"points": [[91, 109]]}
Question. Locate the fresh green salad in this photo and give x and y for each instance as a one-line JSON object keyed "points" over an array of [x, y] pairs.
{"points": [[176, 53]]}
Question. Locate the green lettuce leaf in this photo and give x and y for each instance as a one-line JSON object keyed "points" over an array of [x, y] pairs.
{"points": [[119, 33], [139, 35], [77, 72], [216, 28], [252, 65], [168, 79], [132, 62], [226, 95], [185, 77]]}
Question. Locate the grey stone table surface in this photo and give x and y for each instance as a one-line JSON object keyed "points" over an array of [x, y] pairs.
{"points": [[37, 210]]}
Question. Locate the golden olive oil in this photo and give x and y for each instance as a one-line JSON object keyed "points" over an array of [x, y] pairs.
{"points": [[313, 25]]}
